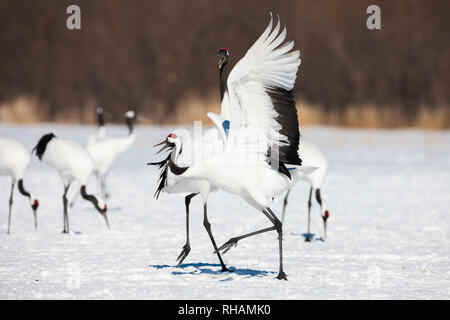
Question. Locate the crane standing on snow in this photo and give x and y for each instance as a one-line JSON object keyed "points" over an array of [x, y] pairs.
{"points": [[312, 156], [72, 162]]}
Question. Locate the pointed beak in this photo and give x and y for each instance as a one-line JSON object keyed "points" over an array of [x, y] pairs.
{"points": [[106, 220], [160, 144], [165, 145], [324, 227], [163, 149], [35, 219]]}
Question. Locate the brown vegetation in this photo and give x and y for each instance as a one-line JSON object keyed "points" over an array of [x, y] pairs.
{"points": [[159, 57]]}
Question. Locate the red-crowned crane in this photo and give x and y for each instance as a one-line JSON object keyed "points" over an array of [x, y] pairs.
{"points": [[72, 162], [171, 180], [106, 150], [311, 156]]}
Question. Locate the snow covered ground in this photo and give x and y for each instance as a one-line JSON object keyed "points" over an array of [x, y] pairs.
{"points": [[388, 232]]}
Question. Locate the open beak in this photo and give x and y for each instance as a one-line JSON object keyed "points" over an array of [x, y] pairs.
{"points": [[106, 220], [160, 144], [35, 219], [165, 145]]}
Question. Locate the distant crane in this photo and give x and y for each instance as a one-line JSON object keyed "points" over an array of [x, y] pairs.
{"points": [[14, 159], [106, 150]]}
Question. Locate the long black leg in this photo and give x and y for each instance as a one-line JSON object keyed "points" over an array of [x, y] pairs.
{"points": [[187, 247], [10, 207], [233, 241], [277, 225], [207, 226], [285, 202], [308, 233], [319, 201], [66, 216]]}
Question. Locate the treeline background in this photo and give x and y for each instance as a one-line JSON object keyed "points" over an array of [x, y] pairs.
{"points": [[160, 58]]}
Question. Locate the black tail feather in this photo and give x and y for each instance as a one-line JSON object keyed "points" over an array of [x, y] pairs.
{"points": [[42, 144]]}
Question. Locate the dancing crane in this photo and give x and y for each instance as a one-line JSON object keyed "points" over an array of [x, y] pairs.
{"points": [[171, 180], [257, 130]]}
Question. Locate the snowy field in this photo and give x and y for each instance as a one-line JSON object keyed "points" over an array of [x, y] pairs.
{"points": [[388, 232]]}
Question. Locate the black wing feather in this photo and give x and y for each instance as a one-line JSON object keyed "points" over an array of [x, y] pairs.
{"points": [[284, 104]]}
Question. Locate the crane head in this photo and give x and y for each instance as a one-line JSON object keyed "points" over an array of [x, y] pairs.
{"points": [[34, 202], [223, 57], [102, 208]]}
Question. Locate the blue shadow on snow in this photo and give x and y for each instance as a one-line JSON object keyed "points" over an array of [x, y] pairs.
{"points": [[211, 268], [312, 236]]}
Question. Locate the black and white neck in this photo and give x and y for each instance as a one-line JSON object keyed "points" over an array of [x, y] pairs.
{"points": [[101, 207], [174, 146], [223, 62]]}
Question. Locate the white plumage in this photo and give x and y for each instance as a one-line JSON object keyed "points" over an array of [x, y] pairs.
{"points": [[70, 159], [14, 159], [104, 152], [312, 156]]}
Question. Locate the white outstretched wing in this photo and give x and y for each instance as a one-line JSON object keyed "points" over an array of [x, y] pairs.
{"points": [[259, 90]]}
